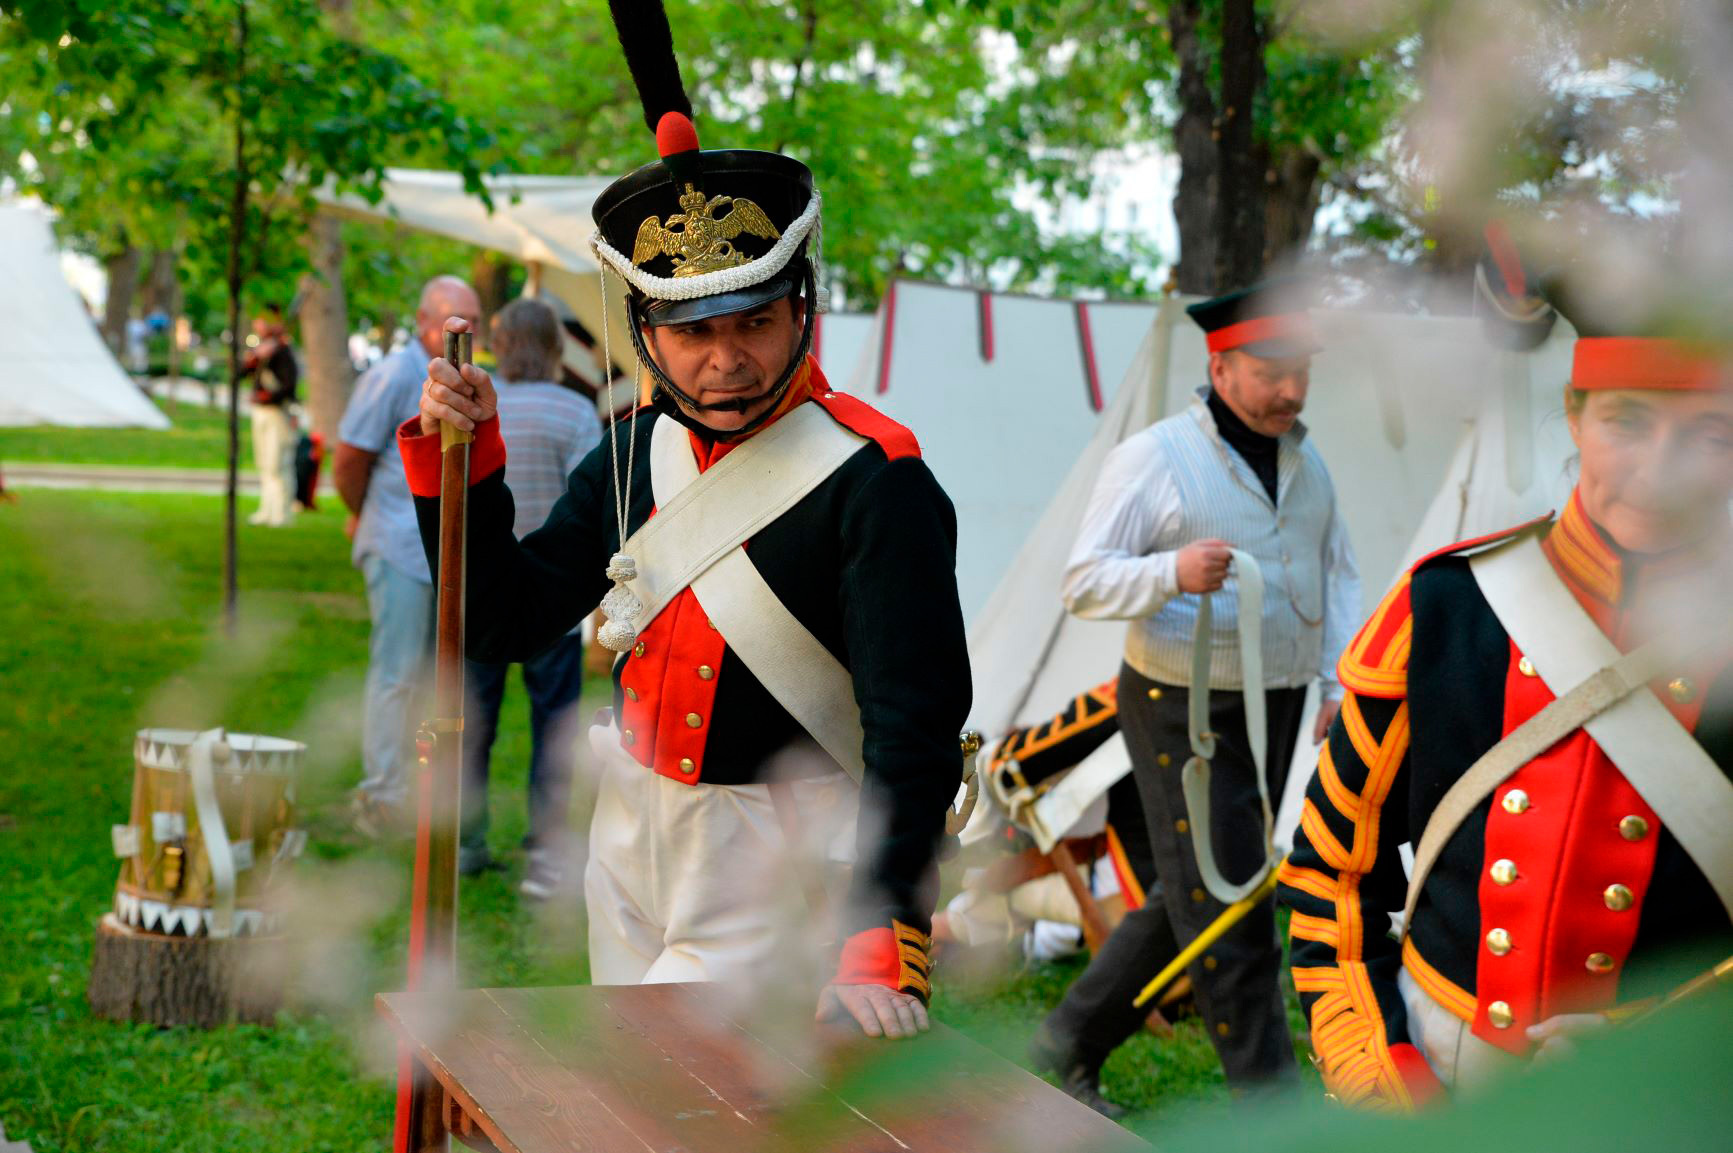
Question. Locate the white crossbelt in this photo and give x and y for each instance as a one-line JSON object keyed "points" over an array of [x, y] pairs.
{"points": [[697, 539], [1195, 778], [1597, 690]]}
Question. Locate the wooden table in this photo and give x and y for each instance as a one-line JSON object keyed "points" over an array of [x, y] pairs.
{"points": [[664, 1068]]}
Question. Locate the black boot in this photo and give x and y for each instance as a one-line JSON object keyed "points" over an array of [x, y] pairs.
{"points": [[1080, 1079]]}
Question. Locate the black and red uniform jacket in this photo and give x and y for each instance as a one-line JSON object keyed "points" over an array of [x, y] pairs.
{"points": [[1561, 893], [866, 561]]}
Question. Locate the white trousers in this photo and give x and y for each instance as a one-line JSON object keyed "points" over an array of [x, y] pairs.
{"points": [[1461, 1060], [699, 882], [274, 440]]}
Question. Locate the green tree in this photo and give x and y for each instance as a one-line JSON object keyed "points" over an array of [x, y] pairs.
{"points": [[216, 119]]}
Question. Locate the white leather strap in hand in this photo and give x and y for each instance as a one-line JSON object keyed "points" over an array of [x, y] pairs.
{"points": [[1195, 778]]}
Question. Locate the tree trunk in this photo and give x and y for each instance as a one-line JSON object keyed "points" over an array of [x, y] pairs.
{"points": [[1291, 192], [1194, 200], [237, 235], [1239, 255], [491, 276], [122, 269], [169, 980], [325, 327], [159, 283]]}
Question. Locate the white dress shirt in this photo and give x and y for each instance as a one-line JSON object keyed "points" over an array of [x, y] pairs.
{"points": [[1177, 482]]}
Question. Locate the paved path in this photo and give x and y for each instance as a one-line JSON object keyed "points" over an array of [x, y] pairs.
{"points": [[122, 478]]}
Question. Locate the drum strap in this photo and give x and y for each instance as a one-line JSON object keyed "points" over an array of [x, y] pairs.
{"points": [[200, 765]]}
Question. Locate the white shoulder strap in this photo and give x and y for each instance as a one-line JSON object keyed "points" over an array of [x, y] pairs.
{"points": [[796, 668], [700, 521], [1603, 692], [1195, 777]]}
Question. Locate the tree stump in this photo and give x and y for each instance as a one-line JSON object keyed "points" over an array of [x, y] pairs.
{"points": [[202, 981]]}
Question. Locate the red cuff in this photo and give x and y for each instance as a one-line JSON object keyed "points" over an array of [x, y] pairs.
{"points": [[898, 957], [421, 455], [1417, 1076]]}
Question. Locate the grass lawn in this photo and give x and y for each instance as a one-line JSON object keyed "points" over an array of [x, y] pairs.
{"points": [[199, 439], [109, 624]]}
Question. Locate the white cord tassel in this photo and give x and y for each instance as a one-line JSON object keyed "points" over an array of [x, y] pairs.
{"points": [[621, 606]]}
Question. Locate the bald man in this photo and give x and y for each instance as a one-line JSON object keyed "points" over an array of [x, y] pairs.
{"points": [[388, 551]]}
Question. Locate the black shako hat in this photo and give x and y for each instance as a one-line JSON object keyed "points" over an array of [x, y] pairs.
{"points": [[1266, 320], [699, 233]]}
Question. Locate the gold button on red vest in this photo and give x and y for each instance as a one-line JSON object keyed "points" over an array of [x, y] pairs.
{"points": [[1500, 1015], [1498, 942], [1633, 828], [1682, 689], [638, 649], [686, 765], [1618, 898], [706, 673], [631, 695], [1515, 801], [1525, 667], [1503, 872], [1599, 963], [628, 738], [693, 720]]}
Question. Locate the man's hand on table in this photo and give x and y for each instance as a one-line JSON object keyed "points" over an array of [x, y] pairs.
{"points": [[878, 1010], [446, 397]]}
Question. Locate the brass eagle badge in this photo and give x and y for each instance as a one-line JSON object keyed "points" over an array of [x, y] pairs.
{"points": [[697, 238]]}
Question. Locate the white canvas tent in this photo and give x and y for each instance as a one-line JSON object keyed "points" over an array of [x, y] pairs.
{"points": [[1003, 391], [1430, 435], [54, 367], [541, 221]]}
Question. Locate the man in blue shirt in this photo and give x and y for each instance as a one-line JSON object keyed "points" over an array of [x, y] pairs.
{"points": [[388, 551]]}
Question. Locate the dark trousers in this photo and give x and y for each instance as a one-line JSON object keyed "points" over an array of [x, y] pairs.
{"points": [[1235, 983], [554, 680]]}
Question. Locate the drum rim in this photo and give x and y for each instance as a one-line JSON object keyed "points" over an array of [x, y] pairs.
{"points": [[244, 743]]}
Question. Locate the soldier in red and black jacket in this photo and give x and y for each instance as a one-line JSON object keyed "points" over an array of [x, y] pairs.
{"points": [[1562, 894], [688, 822]]}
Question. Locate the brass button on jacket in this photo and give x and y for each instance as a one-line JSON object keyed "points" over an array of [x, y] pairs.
{"points": [[1618, 898], [1515, 801], [1498, 942], [1526, 667], [1500, 1015], [1682, 689], [638, 649], [1633, 828], [706, 673], [630, 694], [1155, 694], [693, 720], [1503, 871], [1599, 963], [686, 765]]}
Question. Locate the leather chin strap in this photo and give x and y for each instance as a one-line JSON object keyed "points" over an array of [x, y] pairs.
{"points": [[677, 406]]}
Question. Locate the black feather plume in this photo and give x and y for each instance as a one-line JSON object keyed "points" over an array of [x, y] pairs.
{"points": [[642, 26]]}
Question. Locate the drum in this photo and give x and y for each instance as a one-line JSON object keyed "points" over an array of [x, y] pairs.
{"points": [[212, 835]]}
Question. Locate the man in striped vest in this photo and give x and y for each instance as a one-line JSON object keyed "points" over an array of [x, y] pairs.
{"points": [[1232, 473]]}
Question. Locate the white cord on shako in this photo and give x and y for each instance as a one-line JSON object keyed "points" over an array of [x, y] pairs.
{"points": [[619, 633]]}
